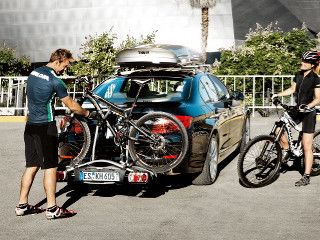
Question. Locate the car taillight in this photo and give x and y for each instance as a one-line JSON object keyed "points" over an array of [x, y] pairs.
{"points": [[186, 120], [164, 125], [138, 177]]}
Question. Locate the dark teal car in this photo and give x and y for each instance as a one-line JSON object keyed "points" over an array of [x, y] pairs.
{"points": [[215, 119]]}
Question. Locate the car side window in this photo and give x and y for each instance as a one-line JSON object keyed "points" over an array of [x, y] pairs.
{"points": [[209, 87], [221, 89]]}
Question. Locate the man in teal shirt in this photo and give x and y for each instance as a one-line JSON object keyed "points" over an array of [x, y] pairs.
{"points": [[40, 136]]}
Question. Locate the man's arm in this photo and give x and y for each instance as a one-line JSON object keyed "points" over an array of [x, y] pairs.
{"points": [[74, 106], [316, 100]]}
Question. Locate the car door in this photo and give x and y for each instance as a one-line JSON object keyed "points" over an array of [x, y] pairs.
{"points": [[217, 112], [236, 114]]}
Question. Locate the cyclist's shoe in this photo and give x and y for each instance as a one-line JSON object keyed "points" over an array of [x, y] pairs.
{"points": [[305, 180], [26, 209], [58, 212]]}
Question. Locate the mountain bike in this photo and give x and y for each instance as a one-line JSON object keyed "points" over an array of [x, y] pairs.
{"points": [[260, 161], [155, 143]]}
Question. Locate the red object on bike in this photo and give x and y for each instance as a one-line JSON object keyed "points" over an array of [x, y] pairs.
{"points": [[77, 128], [170, 156]]}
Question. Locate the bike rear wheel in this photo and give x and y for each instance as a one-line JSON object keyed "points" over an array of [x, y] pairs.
{"points": [[159, 143], [315, 170], [74, 140], [259, 162]]}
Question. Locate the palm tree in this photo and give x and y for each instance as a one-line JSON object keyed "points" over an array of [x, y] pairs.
{"points": [[204, 5]]}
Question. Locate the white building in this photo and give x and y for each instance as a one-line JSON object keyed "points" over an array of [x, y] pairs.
{"points": [[37, 27]]}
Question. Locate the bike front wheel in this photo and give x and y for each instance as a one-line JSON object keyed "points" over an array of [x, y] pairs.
{"points": [[158, 142], [74, 140], [259, 162]]}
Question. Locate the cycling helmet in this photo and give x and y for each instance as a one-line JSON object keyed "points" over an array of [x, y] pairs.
{"points": [[312, 57]]}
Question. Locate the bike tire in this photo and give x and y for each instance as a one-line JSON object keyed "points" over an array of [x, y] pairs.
{"points": [[245, 134], [169, 147], [74, 140], [270, 174], [315, 170]]}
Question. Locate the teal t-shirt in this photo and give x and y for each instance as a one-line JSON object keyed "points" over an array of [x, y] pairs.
{"points": [[42, 87]]}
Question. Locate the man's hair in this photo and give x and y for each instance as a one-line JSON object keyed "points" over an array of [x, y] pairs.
{"points": [[60, 55]]}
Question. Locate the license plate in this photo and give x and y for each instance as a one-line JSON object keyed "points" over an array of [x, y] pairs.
{"points": [[100, 176]]}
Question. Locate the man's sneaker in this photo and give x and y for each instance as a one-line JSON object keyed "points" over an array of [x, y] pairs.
{"points": [[58, 212], [26, 209], [305, 180]]}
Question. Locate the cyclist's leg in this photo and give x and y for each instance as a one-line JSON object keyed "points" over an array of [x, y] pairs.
{"points": [[308, 127], [307, 139], [49, 143], [284, 143], [33, 160]]}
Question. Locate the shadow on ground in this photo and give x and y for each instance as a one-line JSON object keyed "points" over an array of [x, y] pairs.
{"points": [[158, 187]]}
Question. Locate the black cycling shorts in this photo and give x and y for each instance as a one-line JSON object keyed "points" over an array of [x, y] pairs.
{"points": [[41, 145], [308, 121]]}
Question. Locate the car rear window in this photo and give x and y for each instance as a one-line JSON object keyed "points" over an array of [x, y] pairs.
{"points": [[170, 89], [123, 89]]}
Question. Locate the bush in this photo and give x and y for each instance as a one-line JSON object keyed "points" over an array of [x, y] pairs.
{"points": [[266, 51], [99, 53], [11, 65]]}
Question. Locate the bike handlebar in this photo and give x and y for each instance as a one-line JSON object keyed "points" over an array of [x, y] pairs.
{"points": [[303, 108]]}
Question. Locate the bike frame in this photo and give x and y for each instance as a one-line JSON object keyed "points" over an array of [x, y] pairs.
{"points": [[285, 124]]}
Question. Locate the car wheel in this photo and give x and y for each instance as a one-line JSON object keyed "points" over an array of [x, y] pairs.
{"points": [[210, 168]]}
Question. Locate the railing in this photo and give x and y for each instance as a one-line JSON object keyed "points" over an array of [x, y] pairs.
{"points": [[256, 88], [13, 100]]}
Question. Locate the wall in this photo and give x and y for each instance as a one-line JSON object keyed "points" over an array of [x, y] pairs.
{"points": [[37, 27]]}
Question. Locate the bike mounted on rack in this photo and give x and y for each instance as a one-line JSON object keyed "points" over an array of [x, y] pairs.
{"points": [[155, 143]]}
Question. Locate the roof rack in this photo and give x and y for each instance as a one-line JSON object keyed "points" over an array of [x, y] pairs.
{"points": [[187, 69]]}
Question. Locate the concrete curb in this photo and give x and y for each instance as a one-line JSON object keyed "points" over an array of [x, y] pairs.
{"points": [[13, 119]]}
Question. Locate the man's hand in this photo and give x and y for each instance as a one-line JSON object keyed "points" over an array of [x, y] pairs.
{"points": [[275, 99], [274, 96]]}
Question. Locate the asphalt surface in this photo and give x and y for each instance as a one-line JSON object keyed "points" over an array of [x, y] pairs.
{"points": [[173, 210]]}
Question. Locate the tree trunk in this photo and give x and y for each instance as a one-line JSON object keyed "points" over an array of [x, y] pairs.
{"points": [[204, 31]]}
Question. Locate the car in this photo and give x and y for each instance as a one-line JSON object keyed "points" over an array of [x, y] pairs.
{"points": [[216, 119]]}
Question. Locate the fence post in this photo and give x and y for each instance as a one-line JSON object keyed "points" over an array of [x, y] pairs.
{"points": [[253, 95]]}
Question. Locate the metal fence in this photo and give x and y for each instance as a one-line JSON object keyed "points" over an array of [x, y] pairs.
{"points": [[256, 88]]}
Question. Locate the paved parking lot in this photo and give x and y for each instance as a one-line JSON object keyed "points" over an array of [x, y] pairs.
{"points": [[174, 210]]}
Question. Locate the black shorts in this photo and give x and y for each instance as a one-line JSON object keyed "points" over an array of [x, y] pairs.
{"points": [[308, 121], [41, 145]]}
